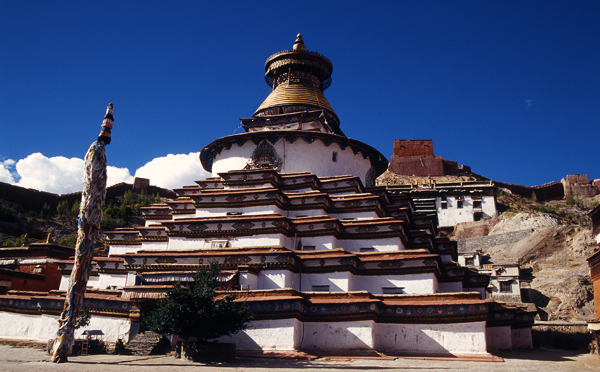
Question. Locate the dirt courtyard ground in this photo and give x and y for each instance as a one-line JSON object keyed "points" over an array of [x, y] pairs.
{"points": [[33, 360]]}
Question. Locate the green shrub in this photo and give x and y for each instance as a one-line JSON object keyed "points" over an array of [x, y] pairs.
{"points": [[63, 207], [83, 318], [195, 312], [46, 212], [21, 241], [69, 241], [75, 208]]}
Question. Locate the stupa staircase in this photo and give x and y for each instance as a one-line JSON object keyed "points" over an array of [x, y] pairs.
{"points": [[148, 343]]}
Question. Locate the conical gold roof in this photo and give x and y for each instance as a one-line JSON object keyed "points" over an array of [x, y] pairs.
{"points": [[295, 95]]}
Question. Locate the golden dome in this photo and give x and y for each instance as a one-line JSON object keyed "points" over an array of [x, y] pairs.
{"points": [[296, 95]]}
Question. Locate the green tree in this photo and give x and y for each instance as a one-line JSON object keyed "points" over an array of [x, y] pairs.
{"points": [[83, 318], [114, 217], [130, 197], [196, 312], [149, 199], [124, 211], [46, 212], [63, 207], [75, 207]]}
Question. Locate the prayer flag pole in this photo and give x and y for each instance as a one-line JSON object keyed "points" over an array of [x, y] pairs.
{"points": [[90, 216]]}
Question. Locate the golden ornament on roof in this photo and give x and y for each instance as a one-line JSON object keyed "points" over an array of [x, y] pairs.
{"points": [[299, 43]]}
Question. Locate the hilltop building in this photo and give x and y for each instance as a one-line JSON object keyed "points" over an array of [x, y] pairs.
{"points": [[324, 259], [439, 187], [578, 185], [416, 158], [451, 203]]}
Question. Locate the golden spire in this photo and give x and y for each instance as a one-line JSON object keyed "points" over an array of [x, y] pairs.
{"points": [[299, 44]]}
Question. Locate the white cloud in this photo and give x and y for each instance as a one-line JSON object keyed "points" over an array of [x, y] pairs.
{"points": [[5, 173], [118, 175], [173, 171], [60, 175]]}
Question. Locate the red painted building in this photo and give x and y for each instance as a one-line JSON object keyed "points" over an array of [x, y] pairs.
{"points": [[32, 268]]}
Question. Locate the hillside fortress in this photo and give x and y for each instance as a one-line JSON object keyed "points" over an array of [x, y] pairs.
{"points": [[323, 258]]}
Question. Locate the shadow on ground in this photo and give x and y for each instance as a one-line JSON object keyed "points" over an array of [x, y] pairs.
{"points": [[550, 355]]}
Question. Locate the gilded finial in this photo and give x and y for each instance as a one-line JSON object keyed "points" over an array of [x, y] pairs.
{"points": [[299, 44]]}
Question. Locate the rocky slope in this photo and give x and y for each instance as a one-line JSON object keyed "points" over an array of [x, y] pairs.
{"points": [[554, 272], [27, 227]]}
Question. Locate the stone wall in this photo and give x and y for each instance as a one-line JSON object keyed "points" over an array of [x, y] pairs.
{"points": [[413, 147], [473, 229], [556, 335], [417, 165], [578, 185], [549, 191], [28, 198], [415, 157], [473, 244], [42, 327]]}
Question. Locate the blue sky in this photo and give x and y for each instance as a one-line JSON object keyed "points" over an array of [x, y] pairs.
{"points": [[510, 88]]}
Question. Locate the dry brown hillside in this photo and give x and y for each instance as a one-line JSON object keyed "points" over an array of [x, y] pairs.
{"points": [[554, 271]]}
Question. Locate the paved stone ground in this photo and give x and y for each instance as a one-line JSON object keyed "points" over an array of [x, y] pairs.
{"points": [[32, 360]]}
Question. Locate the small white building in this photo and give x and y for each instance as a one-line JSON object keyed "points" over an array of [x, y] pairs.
{"points": [[452, 202], [505, 284]]}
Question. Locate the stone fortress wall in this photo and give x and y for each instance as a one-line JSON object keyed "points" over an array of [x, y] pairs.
{"points": [[415, 157]]}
